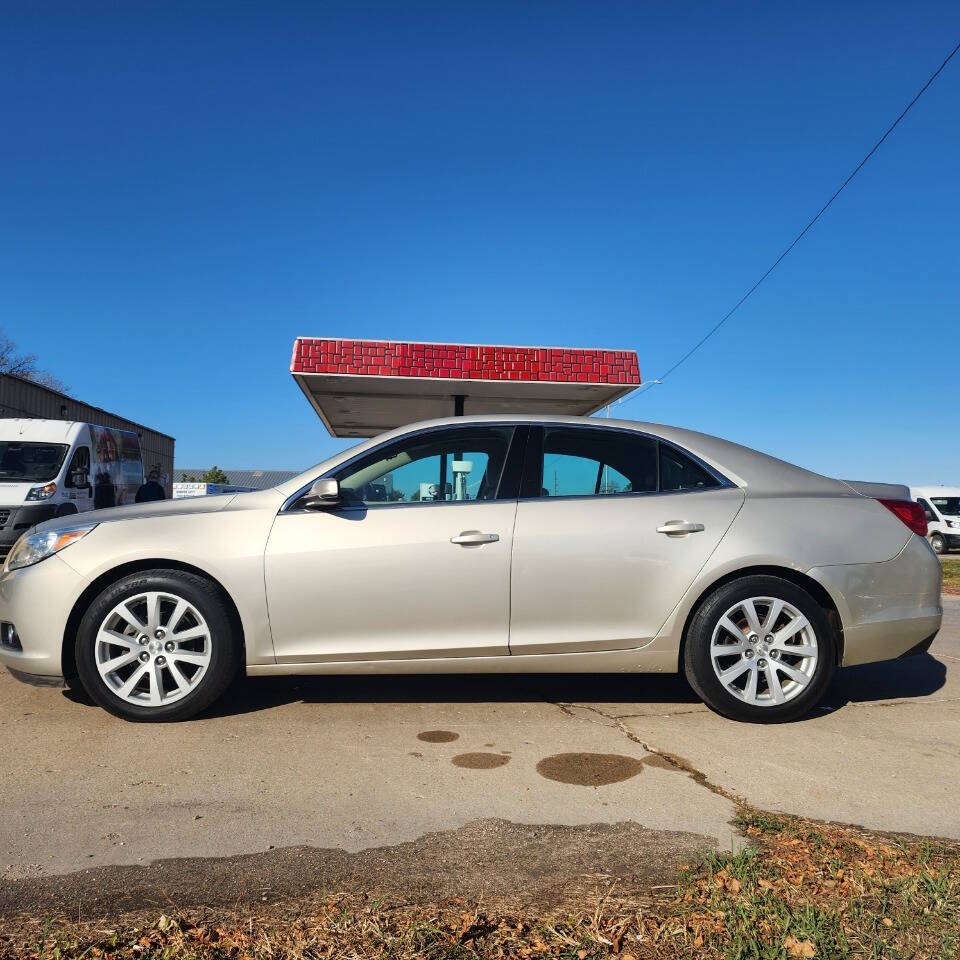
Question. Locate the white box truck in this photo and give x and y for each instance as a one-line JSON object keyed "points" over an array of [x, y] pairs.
{"points": [[52, 468], [942, 507]]}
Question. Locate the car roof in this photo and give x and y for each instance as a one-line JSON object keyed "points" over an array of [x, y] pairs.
{"points": [[756, 472]]}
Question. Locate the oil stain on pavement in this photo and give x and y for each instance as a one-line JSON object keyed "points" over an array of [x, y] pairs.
{"points": [[593, 769], [438, 736], [480, 761]]}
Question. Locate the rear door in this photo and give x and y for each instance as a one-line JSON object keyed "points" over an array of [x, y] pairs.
{"points": [[612, 527]]}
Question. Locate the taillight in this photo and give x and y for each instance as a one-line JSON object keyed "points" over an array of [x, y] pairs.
{"points": [[910, 512]]}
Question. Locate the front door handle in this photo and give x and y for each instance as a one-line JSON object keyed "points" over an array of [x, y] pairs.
{"points": [[679, 528], [469, 537]]}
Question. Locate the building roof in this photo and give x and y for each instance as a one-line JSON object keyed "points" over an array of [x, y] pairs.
{"points": [[71, 408], [360, 388], [258, 479]]}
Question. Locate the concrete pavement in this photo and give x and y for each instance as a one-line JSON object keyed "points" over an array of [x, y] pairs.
{"points": [[632, 771]]}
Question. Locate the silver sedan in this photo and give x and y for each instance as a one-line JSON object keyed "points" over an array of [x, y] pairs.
{"points": [[484, 544]]}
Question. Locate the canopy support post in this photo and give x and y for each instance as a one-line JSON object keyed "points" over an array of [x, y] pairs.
{"points": [[458, 400]]}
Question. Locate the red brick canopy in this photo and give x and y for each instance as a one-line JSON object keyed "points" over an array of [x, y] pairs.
{"points": [[361, 387]]}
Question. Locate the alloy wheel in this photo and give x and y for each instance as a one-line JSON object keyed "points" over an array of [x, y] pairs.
{"points": [[764, 651], [153, 648]]}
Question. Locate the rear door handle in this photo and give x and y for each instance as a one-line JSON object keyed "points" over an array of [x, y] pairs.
{"points": [[469, 537], [679, 528]]}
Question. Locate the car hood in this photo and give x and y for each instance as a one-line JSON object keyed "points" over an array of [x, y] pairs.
{"points": [[139, 511]]}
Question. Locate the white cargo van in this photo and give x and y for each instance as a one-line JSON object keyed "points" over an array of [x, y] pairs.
{"points": [[51, 468], [942, 507]]}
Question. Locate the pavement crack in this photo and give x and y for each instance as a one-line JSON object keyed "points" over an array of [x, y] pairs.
{"points": [[872, 705], [672, 759]]}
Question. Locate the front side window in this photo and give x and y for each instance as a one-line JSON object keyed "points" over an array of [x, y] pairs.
{"points": [[465, 463], [587, 463], [78, 475], [31, 462]]}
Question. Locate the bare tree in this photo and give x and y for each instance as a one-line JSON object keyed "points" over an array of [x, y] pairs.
{"points": [[25, 365]]}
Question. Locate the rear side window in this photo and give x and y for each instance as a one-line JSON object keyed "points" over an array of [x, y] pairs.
{"points": [[586, 462], [680, 472], [590, 463]]}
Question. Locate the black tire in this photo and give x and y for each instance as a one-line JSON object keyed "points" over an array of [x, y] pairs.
{"points": [[697, 659], [66, 510], [225, 652], [938, 542]]}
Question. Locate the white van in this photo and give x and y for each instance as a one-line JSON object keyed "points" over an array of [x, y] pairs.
{"points": [[942, 507], [52, 468]]}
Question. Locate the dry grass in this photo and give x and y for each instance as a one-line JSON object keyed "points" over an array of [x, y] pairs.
{"points": [[803, 889], [951, 574]]}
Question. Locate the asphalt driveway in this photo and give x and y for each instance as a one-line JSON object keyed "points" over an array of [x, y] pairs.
{"points": [[473, 783]]}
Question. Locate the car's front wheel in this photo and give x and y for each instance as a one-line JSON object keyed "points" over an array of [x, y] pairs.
{"points": [[157, 646], [760, 649], [938, 542]]}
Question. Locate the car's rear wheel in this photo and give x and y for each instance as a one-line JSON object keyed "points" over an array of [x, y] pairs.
{"points": [[938, 542], [760, 649], [157, 646]]}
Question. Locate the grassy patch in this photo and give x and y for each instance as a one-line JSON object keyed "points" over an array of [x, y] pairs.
{"points": [[802, 890], [951, 574]]}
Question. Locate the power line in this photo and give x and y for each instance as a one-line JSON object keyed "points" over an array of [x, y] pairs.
{"points": [[936, 73]]}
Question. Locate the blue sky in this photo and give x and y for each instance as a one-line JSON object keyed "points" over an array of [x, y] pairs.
{"points": [[187, 187]]}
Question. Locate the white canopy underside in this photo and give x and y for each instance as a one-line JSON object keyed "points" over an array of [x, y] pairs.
{"points": [[353, 405]]}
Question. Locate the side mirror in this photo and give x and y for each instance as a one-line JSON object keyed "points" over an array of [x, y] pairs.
{"points": [[324, 493]]}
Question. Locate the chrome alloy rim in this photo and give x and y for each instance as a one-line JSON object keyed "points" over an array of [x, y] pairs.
{"points": [[764, 651], [153, 649]]}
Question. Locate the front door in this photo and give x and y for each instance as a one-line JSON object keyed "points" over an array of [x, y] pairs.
{"points": [[612, 527], [414, 562]]}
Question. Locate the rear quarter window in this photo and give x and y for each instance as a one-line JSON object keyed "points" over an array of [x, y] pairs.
{"points": [[680, 472]]}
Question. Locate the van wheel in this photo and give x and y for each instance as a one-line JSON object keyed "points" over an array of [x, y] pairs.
{"points": [[760, 649], [938, 542], [157, 646], [66, 510]]}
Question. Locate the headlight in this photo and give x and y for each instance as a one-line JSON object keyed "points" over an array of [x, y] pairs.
{"points": [[41, 493], [953, 523], [33, 547]]}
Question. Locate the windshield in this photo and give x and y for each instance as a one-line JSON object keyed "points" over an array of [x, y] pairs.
{"points": [[33, 462], [950, 506]]}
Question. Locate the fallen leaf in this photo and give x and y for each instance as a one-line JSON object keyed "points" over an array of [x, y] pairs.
{"points": [[799, 948]]}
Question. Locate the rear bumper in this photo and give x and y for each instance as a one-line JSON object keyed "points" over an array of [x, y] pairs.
{"points": [[37, 600], [889, 608]]}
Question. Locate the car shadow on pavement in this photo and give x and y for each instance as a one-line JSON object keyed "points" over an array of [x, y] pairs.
{"points": [[918, 676], [251, 694]]}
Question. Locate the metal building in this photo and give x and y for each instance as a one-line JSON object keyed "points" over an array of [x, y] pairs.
{"points": [[24, 398], [250, 479]]}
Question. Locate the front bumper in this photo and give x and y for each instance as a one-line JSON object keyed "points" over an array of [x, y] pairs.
{"points": [[37, 600], [887, 608]]}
